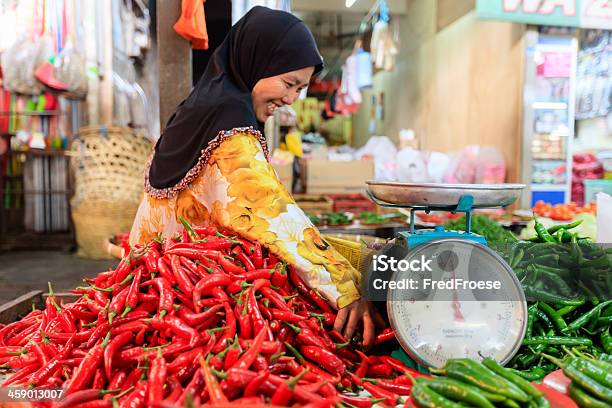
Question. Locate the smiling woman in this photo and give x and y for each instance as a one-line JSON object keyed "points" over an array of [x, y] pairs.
{"points": [[210, 164]]}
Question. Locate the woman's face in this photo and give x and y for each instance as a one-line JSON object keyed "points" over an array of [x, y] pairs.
{"points": [[273, 92]]}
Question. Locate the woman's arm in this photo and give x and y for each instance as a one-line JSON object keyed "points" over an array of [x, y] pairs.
{"points": [[242, 193]]}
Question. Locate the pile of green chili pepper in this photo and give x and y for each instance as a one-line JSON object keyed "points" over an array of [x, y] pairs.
{"points": [[591, 385], [466, 382], [495, 234]]}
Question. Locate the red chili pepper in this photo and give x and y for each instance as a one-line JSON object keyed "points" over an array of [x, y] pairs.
{"points": [[230, 323], [165, 271], [207, 283], [232, 355], [246, 261], [254, 274], [237, 286], [157, 378], [82, 396], [52, 366], [113, 346], [205, 230], [118, 380], [324, 358], [138, 397], [151, 260], [132, 379], [123, 269], [397, 365], [298, 282], [194, 319], [389, 385], [285, 391], [359, 402], [380, 370], [178, 326], [212, 386], [193, 388], [257, 319], [244, 320], [191, 266], [385, 335], [267, 347], [117, 304], [307, 337], [86, 370], [182, 279], [249, 356], [286, 316], [279, 277], [99, 380], [166, 296], [258, 256], [391, 397], [131, 300], [275, 298]]}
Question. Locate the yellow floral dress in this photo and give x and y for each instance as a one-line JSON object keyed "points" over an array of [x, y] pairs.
{"points": [[234, 187]]}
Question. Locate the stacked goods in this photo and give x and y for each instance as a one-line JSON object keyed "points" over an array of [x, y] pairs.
{"points": [[563, 212], [203, 317]]}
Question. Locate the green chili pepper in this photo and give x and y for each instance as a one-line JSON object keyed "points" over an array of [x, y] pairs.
{"points": [[573, 371], [585, 318], [427, 398], [535, 374], [567, 309], [531, 312], [558, 340], [559, 227], [606, 340], [544, 319], [520, 382], [543, 232], [471, 372], [458, 391], [546, 259], [553, 316], [600, 371], [583, 399], [516, 260], [546, 296]]}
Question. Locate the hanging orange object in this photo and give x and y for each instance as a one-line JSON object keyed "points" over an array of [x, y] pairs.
{"points": [[191, 25]]}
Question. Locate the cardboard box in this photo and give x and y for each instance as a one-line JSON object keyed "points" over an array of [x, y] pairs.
{"points": [[285, 174], [325, 176]]}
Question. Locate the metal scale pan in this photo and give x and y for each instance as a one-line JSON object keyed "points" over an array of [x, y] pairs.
{"points": [[442, 196]]}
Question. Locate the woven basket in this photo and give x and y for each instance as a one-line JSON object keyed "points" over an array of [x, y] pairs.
{"points": [[108, 165]]}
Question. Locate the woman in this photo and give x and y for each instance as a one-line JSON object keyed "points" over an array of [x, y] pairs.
{"points": [[210, 165]]}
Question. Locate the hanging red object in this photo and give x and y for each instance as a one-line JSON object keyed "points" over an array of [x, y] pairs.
{"points": [[45, 74], [191, 25]]}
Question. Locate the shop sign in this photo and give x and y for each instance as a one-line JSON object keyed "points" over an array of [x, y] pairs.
{"points": [[569, 13]]}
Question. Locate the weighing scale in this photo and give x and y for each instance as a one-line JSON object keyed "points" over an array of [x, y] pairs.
{"points": [[433, 324]]}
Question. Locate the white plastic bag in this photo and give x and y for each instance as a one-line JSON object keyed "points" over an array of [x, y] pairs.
{"points": [[70, 69], [604, 218], [384, 152], [411, 167], [20, 61], [436, 166]]}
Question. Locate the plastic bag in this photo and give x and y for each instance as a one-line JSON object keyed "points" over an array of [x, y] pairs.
{"points": [[436, 166], [20, 61], [491, 167], [70, 69], [462, 166], [411, 167], [384, 153]]}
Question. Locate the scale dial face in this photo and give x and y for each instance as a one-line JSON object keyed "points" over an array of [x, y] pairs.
{"points": [[434, 323]]}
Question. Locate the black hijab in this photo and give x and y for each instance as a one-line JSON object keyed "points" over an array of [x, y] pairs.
{"points": [[262, 44]]}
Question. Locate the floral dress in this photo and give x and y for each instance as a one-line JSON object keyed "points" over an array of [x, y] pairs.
{"points": [[233, 187]]}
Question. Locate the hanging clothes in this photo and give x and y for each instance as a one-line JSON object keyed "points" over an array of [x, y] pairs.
{"points": [[191, 25]]}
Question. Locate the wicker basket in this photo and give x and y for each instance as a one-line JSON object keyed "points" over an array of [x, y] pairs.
{"points": [[107, 164], [357, 249]]}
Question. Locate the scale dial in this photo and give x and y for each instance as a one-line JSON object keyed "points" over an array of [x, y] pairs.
{"points": [[434, 324]]}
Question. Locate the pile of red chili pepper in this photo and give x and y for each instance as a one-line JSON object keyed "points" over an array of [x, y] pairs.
{"points": [[201, 318]]}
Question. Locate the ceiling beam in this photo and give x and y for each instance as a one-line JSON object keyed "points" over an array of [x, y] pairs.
{"points": [[338, 6]]}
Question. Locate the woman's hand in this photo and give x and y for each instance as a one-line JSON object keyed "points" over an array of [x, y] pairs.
{"points": [[349, 317]]}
